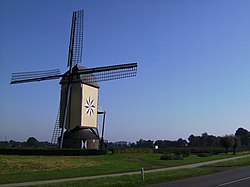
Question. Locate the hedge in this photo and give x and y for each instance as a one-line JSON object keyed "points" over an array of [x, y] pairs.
{"points": [[132, 150], [172, 156], [190, 150], [185, 151], [51, 152]]}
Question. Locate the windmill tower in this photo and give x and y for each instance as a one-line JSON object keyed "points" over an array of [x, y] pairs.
{"points": [[77, 119], [81, 119]]}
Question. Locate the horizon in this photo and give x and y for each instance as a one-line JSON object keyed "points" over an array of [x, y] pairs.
{"points": [[154, 140], [129, 143]]}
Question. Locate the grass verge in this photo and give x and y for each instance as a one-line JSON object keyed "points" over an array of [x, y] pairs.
{"points": [[33, 168], [233, 163], [135, 180], [153, 178]]}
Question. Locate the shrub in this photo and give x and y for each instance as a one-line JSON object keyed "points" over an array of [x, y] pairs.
{"points": [[171, 156], [132, 150], [179, 157], [204, 154]]}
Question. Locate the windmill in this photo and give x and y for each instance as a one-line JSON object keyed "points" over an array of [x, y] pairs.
{"points": [[77, 119]]}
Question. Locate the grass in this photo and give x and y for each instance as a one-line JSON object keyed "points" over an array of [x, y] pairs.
{"points": [[233, 163], [135, 180], [152, 178], [32, 168]]}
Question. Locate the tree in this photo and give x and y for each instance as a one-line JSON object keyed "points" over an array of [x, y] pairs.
{"points": [[32, 142], [212, 141], [144, 143], [227, 141], [181, 142], [194, 141], [204, 140], [244, 137]]}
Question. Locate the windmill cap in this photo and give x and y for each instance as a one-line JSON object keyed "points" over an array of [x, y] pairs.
{"points": [[88, 79]]}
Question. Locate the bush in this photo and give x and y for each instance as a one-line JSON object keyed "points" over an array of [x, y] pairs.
{"points": [[204, 154], [207, 150], [171, 156], [132, 150], [185, 152]]}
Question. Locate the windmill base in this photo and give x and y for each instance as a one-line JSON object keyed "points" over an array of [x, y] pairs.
{"points": [[81, 138]]}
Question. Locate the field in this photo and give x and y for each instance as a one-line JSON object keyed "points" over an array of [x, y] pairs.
{"points": [[32, 168]]}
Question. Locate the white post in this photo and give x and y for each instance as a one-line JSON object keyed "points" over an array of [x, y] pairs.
{"points": [[142, 173]]}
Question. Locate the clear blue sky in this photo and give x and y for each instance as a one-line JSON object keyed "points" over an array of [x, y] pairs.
{"points": [[193, 57]]}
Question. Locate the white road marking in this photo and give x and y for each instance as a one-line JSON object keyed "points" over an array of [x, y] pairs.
{"points": [[246, 178]]}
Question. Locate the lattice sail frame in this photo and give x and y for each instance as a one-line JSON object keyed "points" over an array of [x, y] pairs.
{"points": [[107, 73], [89, 75], [33, 76], [78, 37]]}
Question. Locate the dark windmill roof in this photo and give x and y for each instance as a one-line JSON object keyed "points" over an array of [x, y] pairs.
{"points": [[79, 133], [88, 79]]}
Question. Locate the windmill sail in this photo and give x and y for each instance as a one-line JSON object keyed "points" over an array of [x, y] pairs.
{"points": [[33, 76], [76, 39], [106, 73]]}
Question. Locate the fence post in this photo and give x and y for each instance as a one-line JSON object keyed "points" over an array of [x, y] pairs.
{"points": [[142, 174]]}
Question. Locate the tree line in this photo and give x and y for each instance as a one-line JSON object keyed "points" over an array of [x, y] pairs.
{"points": [[31, 142], [241, 139]]}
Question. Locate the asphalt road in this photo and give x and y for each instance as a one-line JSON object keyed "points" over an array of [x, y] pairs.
{"points": [[237, 177]]}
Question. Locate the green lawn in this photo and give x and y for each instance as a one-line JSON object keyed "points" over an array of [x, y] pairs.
{"points": [[31, 168], [152, 178], [135, 180], [233, 163]]}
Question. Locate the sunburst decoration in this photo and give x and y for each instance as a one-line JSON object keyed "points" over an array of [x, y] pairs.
{"points": [[90, 107]]}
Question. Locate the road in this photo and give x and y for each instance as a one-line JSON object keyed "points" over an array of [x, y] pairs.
{"points": [[237, 177]]}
